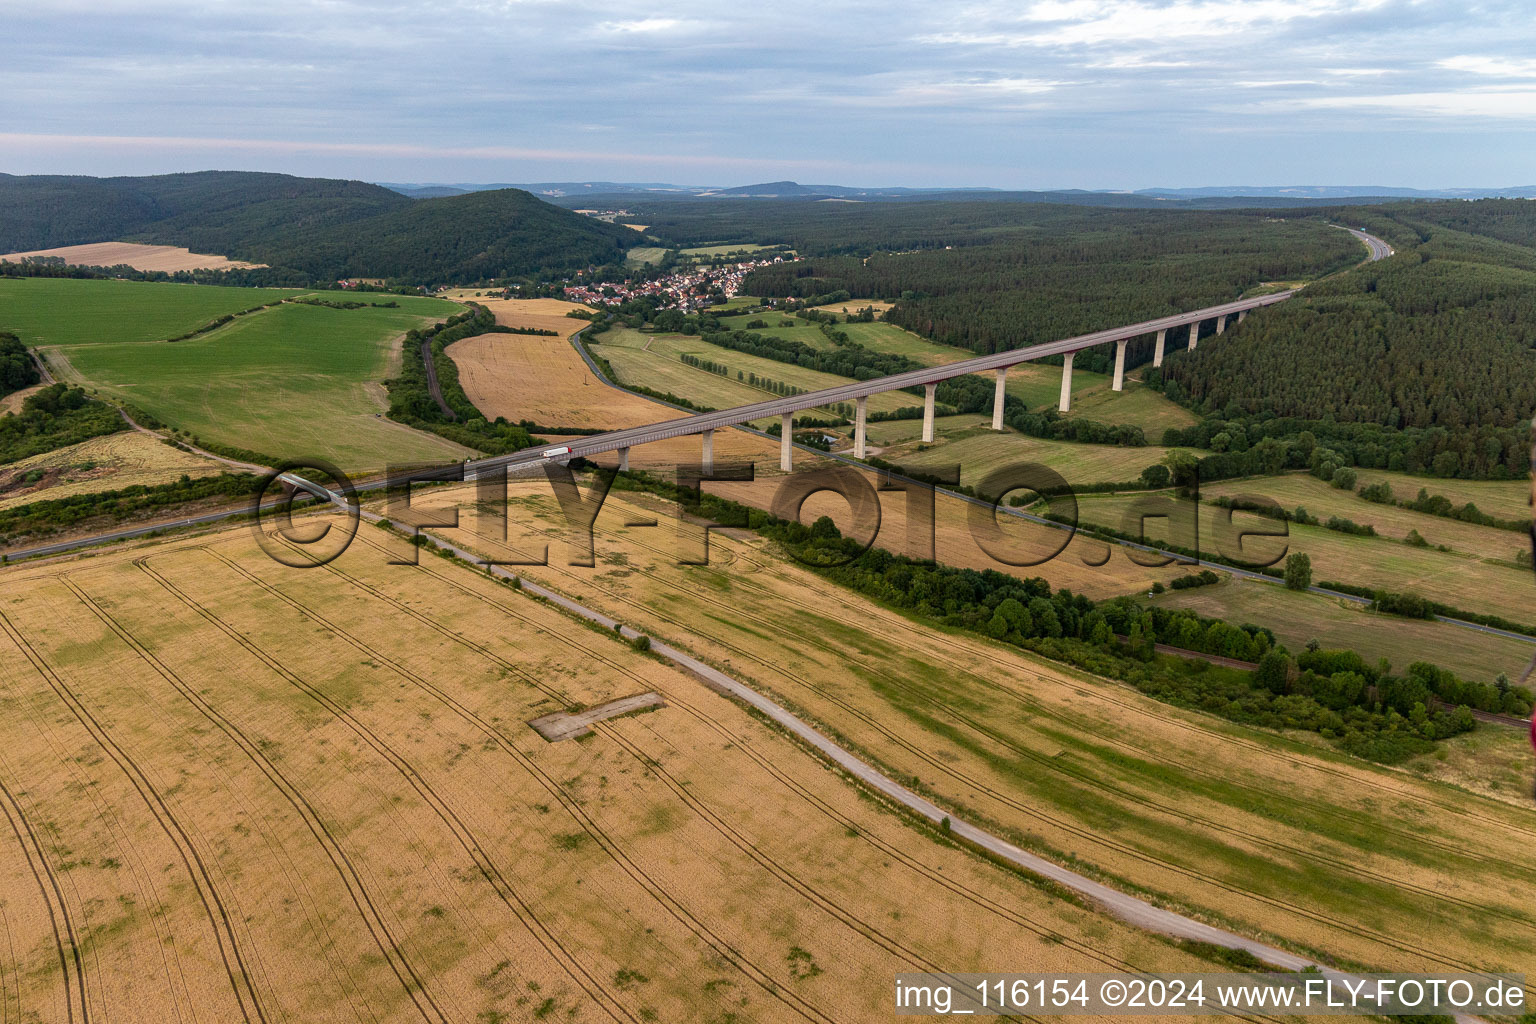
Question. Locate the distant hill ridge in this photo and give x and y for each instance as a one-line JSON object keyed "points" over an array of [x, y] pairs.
{"points": [[567, 193], [325, 228]]}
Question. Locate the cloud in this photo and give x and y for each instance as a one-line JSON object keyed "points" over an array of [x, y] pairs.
{"points": [[1519, 104], [1493, 66], [1009, 92], [1073, 23], [642, 26]]}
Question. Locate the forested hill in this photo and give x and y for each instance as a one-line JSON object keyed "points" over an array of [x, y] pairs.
{"points": [[211, 210], [326, 228], [1440, 336], [990, 277]]}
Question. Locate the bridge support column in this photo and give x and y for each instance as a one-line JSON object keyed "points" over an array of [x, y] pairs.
{"points": [[707, 460], [1194, 335], [997, 398], [1157, 357], [787, 442], [860, 414], [624, 460], [928, 392], [1120, 364], [1066, 380], [1242, 315], [1221, 324]]}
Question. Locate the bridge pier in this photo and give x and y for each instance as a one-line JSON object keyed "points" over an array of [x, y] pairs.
{"points": [[624, 460], [1157, 357], [1221, 324], [997, 398], [1120, 364], [1194, 335], [1242, 315], [1066, 380], [860, 415], [928, 393], [707, 461], [787, 441]]}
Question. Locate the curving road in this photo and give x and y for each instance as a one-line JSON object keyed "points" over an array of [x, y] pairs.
{"points": [[1130, 909], [1378, 249]]}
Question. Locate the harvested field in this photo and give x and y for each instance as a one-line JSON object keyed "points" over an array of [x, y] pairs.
{"points": [[980, 450], [540, 377], [167, 258], [1347, 857], [1454, 578], [1297, 617], [1506, 499], [854, 306], [653, 361], [1323, 500], [13, 401], [105, 463], [245, 792]]}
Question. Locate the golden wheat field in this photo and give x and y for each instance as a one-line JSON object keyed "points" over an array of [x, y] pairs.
{"points": [[238, 791], [540, 377], [1269, 834], [167, 258], [107, 463]]}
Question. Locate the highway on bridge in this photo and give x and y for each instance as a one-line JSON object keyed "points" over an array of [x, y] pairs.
{"points": [[597, 444]]}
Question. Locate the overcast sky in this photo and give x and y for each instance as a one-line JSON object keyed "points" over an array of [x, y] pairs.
{"points": [[1023, 94]]}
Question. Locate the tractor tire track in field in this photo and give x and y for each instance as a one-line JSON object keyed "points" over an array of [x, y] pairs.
{"points": [[1090, 780], [1040, 708], [977, 899], [373, 920], [462, 834], [219, 919], [724, 732], [58, 912], [670, 903], [1007, 800], [131, 856], [724, 829], [953, 645]]}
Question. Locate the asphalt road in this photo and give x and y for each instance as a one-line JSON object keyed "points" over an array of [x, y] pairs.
{"points": [[1379, 250], [1127, 908], [597, 444]]}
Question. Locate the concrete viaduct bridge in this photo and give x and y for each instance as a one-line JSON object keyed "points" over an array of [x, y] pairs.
{"points": [[705, 424]]}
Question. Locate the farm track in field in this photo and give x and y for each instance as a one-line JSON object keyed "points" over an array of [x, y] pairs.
{"points": [[465, 836], [599, 835], [58, 912], [197, 872], [1072, 829], [940, 638], [971, 896], [132, 858], [362, 900]]}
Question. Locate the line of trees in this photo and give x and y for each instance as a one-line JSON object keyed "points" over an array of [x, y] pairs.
{"points": [[1362, 707]]}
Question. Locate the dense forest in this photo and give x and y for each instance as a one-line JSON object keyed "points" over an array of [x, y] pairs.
{"points": [[1428, 354], [324, 229], [1043, 273]]}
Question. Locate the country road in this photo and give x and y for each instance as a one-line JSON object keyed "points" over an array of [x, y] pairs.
{"points": [[1130, 909], [432, 385]]}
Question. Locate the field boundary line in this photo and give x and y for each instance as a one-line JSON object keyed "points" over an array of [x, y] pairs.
{"points": [[1129, 909]]}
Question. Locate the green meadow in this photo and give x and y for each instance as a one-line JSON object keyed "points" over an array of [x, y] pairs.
{"points": [[63, 311], [287, 382]]}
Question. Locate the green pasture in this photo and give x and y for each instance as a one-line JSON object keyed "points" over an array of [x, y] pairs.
{"points": [[291, 381]]}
